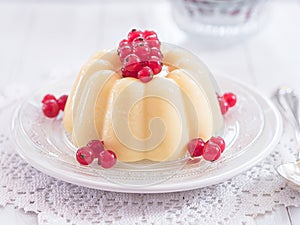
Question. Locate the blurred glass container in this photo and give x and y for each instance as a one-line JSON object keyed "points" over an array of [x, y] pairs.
{"points": [[219, 17]]}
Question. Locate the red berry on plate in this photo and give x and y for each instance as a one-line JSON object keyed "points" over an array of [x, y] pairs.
{"points": [[155, 64], [223, 105], [211, 151], [61, 101], [219, 141], [230, 98], [195, 147], [48, 97], [107, 159], [96, 146], [145, 74], [85, 155], [50, 108]]}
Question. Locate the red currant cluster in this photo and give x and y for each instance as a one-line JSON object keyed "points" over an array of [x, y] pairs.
{"points": [[52, 105], [227, 101], [140, 54], [95, 149], [210, 150]]}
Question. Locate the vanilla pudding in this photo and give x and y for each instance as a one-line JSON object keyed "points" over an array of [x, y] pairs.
{"points": [[153, 120]]}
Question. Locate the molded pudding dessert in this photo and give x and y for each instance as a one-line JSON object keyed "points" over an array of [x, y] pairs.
{"points": [[146, 100]]}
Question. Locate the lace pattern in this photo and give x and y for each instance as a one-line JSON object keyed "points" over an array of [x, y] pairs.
{"points": [[234, 201]]}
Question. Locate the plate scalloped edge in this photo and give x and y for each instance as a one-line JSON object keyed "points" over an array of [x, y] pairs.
{"points": [[99, 183]]}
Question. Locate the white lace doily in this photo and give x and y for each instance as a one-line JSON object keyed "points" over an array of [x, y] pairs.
{"points": [[56, 202]]}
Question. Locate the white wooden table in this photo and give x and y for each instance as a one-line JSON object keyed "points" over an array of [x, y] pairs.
{"points": [[39, 39]]}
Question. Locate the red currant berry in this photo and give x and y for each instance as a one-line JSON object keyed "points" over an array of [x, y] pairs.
{"points": [[62, 102], [145, 74], [135, 53], [48, 97], [155, 64], [107, 159], [127, 73], [149, 34], [138, 41], [223, 105], [124, 43], [153, 43], [195, 147], [156, 52], [219, 141], [144, 63], [50, 108], [124, 51], [132, 63], [85, 155], [211, 151], [230, 98], [142, 51], [96, 146], [134, 34]]}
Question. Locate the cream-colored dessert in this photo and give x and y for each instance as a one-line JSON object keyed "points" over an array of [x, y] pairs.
{"points": [[153, 120]]}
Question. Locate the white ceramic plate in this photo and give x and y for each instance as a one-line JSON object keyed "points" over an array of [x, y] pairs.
{"points": [[252, 129]]}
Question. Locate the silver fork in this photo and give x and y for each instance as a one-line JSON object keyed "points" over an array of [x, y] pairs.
{"points": [[288, 103]]}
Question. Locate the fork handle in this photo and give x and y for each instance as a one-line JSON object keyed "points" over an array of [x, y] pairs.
{"points": [[288, 104]]}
